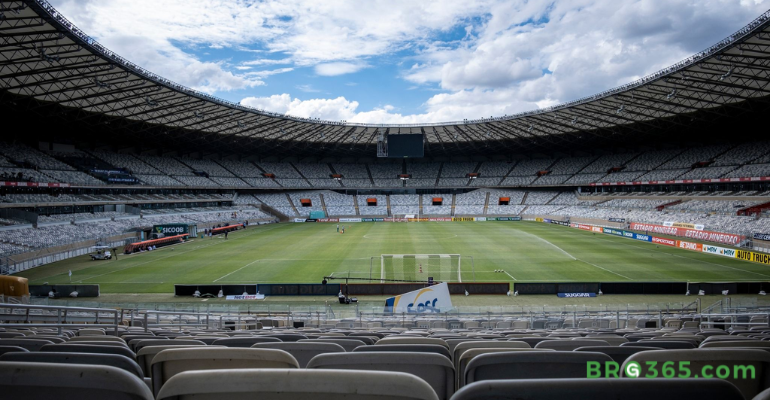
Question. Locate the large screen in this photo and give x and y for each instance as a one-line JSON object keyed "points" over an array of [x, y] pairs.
{"points": [[402, 146]]}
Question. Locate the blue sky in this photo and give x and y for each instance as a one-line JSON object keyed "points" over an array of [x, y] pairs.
{"points": [[395, 61]]}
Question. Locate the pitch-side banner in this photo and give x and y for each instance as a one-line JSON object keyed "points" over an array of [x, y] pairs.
{"points": [[350, 219], [720, 251], [762, 236], [432, 299], [719, 237]]}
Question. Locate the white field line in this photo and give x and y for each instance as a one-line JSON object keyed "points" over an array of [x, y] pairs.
{"points": [[689, 258], [575, 258], [506, 272], [226, 275], [168, 256]]}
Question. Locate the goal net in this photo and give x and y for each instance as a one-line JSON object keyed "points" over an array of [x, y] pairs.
{"points": [[420, 267]]}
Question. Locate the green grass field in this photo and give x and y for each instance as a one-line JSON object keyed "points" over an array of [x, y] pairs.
{"points": [[305, 253]]}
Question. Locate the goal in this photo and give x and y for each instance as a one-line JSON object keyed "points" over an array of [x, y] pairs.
{"points": [[420, 267]]}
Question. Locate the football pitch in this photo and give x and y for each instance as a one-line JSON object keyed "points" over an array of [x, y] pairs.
{"points": [[305, 253]]}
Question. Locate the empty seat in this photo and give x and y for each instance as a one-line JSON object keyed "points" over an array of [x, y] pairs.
{"points": [[146, 354], [10, 335], [21, 380], [303, 352], [469, 354], [367, 340], [619, 354], [487, 344], [170, 362], [347, 344], [531, 341], [11, 349], [244, 341], [699, 358], [296, 384], [435, 369], [600, 389], [736, 343], [416, 348], [286, 337], [137, 344], [27, 343], [569, 345], [88, 348], [613, 340], [97, 338], [411, 340], [112, 360], [531, 365], [661, 344], [91, 332]]}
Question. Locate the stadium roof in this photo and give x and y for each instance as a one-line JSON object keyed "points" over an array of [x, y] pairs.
{"points": [[50, 67]]}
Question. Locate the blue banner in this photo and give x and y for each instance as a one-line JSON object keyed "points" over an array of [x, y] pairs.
{"points": [[644, 238], [576, 294]]}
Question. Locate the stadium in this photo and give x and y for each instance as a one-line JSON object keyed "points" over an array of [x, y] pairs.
{"points": [[166, 243]]}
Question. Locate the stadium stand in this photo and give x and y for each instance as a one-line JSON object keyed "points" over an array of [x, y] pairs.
{"points": [[339, 204]]}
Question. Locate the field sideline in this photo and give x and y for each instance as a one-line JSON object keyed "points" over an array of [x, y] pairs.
{"points": [[304, 253]]}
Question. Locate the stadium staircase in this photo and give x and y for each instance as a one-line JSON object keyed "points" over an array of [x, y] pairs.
{"points": [[323, 204], [355, 200], [673, 203], [420, 198], [552, 198], [547, 169], [513, 165], [293, 207], [754, 210], [476, 171], [390, 214], [454, 202], [300, 174], [368, 173], [440, 167], [486, 202], [523, 199], [234, 174], [270, 210]]}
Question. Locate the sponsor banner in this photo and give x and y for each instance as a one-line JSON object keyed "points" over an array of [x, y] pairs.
{"points": [[539, 219], [752, 256], [687, 226], [350, 219], [506, 219], [689, 245], [299, 219], [576, 294], [663, 241], [644, 238], [596, 229], [245, 297], [616, 219], [431, 299], [562, 223], [417, 219], [171, 229], [34, 184], [311, 220], [720, 251], [463, 219], [480, 219], [581, 226], [762, 236], [719, 237], [328, 220], [440, 219], [611, 231]]}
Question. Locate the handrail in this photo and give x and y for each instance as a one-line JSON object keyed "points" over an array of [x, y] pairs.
{"points": [[750, 28], [61, 315]]}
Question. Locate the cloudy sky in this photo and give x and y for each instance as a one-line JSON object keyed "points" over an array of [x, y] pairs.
{"points": [[394, 61]]}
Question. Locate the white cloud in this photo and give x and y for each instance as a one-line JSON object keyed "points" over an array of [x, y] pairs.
{"points": [[326, 109], [338, 68]]}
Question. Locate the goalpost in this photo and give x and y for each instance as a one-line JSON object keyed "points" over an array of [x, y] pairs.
{"points": [[419, 267]]}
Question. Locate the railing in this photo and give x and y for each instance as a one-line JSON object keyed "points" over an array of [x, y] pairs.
{"points": [[98, 48], [38, 316], [712, 320]]}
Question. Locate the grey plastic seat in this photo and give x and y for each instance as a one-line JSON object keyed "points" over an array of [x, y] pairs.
{"points": [[569, 345], [27, 343], [40, 381], [146, 354], [730, 358], [347, 344], [303, 352], [11, 349], [209, 340], [367, 340], [289, 384], [10, 335], [531, 341], [112, 360], [416, 348], [661, 344], [619, 354], [245, 341], [461, 364], [89, 348], [531, 365], [137, 344], [736, 343], [485, 344], [97, 338], [600, 389], [286, 337], [171, 362], [411, 340], [435, 369]]}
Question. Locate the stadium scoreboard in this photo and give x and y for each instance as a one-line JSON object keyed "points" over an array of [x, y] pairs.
{"points": [[406, 146]]}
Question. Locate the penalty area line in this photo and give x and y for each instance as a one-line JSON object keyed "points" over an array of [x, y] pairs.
{"points": [[226, 275]]}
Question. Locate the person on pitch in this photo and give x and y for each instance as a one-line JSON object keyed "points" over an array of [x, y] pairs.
{"points": [[338, 228]]}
